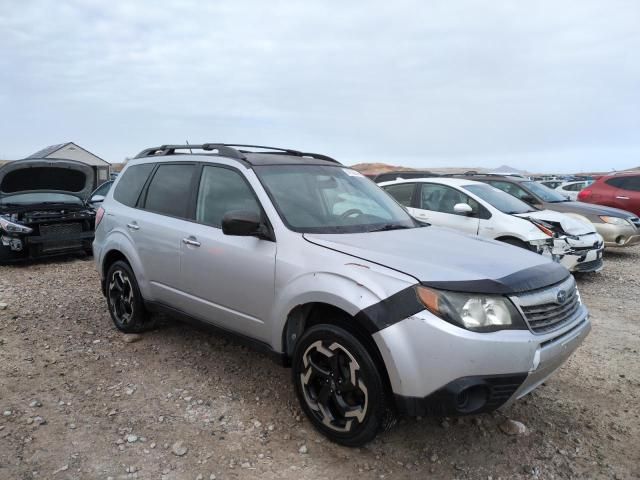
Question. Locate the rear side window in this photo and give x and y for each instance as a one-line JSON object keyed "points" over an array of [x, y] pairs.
{"points": [[402, 192], [130, 185], [223, 190], [170, 190], [625, 183]]}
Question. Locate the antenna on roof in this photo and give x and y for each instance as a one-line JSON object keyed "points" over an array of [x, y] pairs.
{"points": [[187, 142]]}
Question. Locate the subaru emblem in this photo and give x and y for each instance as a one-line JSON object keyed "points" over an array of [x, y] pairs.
{"points": [[562, 296]]}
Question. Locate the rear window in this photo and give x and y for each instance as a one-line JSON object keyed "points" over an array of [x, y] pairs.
{"points": [[170, 190], [130, 185], [43, 178]]}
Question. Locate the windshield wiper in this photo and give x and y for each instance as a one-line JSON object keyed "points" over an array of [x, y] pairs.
{"points": [[390, 226]]}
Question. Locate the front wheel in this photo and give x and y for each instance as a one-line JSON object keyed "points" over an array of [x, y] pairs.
{"points": [[124, 300], [339, 386]]}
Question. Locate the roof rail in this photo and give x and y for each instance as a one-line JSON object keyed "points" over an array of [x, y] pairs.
{"points": [[277, 150], [230, 150], [171, 150]]}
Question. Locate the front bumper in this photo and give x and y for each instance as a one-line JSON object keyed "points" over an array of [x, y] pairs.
{"points": [[618, 235], [437, 368], [583, 254]]}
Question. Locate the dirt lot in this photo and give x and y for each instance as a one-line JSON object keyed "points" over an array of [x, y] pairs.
{"points": [[77, 401]]}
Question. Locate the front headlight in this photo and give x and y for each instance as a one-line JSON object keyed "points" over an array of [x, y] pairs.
{"points": [[615, 220], [477, 312], [12, 227]]}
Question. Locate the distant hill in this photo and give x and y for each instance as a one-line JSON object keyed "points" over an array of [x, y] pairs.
{"points": [[376, 168], [508, 169]]}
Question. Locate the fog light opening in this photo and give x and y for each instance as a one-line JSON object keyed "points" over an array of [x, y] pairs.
{"points": [[472, 399], [620, 240]]}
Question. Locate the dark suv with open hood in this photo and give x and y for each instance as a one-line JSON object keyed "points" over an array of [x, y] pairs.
{"points": [[43, 208]]}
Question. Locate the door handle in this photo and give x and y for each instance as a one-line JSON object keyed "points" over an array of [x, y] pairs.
{"points": [[133, 226], [191, 241], [622, 198]]}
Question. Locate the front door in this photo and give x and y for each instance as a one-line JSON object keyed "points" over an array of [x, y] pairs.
{"points": [[435, 205], [229, 279]]}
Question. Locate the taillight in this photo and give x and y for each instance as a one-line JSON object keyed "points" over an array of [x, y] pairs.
{"points": [[584, 194], [99, 215]]}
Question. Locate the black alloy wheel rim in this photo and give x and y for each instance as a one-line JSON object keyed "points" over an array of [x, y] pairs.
{"points": [[121, 300], [333, 387]]}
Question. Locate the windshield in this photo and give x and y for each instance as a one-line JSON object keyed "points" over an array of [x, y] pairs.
{"points": [[499, 199], [544, 193], [39, 198], [327, 199]]}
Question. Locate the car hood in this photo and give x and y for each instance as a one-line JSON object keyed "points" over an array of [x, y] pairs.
{"points": [[570, 225], [583, 208], [446, 259], [46, 175]]}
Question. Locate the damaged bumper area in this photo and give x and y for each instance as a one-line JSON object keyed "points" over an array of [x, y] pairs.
{"points": [[580, 254], [464, 372], [45, 234]]}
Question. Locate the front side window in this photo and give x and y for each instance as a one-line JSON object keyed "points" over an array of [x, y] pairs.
{"points": [[330, 199], [170, 190], [402, 192], [223, 190], [442, 198], [130, 185]]}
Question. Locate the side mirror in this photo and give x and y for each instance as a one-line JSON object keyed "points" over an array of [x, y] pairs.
{"points": [[529, 200], [243, 224], [97, 199], [462, 208]]}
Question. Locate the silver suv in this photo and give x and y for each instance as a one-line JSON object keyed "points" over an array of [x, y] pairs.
{"points": [[376, 313]]}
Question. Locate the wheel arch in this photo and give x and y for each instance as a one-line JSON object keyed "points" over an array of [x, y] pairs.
{"points": [[121, 248], [304, 316]]}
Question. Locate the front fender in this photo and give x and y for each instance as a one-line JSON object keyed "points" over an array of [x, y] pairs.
{"points": [[353, 293]]}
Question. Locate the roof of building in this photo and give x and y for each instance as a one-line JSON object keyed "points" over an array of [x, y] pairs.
{"points": [[48, 152]]}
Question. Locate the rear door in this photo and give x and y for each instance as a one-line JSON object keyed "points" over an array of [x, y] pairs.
{"points": [[435, 204], [229, 280], [626, 193], [160, 225]]}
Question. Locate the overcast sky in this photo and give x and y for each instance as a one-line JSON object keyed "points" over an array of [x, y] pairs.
{"points": [[539, 85]]}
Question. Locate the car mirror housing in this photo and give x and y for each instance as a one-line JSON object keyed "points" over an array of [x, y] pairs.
{"points": [[462, 209], [243, 224], [96, 199]]}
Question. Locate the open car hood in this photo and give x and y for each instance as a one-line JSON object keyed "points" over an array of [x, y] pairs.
{"points": [[450, 260], [46, 175], [569, 224]]}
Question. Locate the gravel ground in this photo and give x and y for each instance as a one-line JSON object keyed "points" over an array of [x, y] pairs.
{"points": [[77, 401]]}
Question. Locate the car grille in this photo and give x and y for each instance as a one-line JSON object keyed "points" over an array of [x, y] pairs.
{"points": [[57, 232], [544, 311]]}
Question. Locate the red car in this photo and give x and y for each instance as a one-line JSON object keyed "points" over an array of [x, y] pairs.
{"points": [[619, 191]]}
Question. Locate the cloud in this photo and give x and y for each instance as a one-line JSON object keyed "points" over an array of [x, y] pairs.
{"points": [[543, 85]]}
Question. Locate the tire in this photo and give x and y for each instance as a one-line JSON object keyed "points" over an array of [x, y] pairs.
{"points": [[325, 362], [125, 303]]}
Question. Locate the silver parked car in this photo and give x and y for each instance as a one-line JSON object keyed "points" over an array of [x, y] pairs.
{"points": [[375, 312]]}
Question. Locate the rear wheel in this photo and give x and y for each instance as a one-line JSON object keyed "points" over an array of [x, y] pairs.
{"points": [[124, 300], [339, 385]]}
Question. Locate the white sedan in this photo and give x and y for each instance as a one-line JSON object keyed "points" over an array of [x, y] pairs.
{"points": [[572, 189], [480, 209]]}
